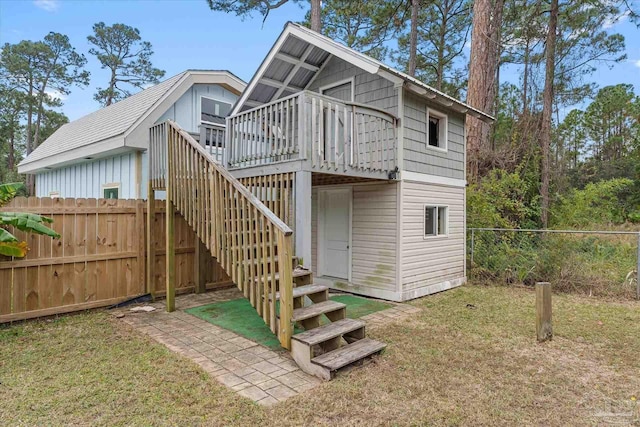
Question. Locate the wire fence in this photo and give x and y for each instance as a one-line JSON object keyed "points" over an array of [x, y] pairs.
{"points": [[599, 263]]}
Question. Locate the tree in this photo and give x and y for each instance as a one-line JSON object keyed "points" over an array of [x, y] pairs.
{"points": [[483, 67], [245, 8], [612, 122], [442, 31], [120, 49], [12, 112], [413, 38], [547, 105], [39, 68], [365, 26], [31, 223]]}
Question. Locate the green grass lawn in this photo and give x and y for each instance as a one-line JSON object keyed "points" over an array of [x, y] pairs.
{"points": [[468, 358]]}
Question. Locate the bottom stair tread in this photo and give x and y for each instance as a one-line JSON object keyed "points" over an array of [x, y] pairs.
{"points": [[348, 354]]}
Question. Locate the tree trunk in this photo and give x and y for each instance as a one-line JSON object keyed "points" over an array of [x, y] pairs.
{"points": [[483, 64], [11, 155], [547, 106], [413, 37], [30, 182], [316, 15]]}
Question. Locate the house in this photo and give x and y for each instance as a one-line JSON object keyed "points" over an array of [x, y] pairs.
{"points": [[379, 164], [104, 154], [333, 171]]}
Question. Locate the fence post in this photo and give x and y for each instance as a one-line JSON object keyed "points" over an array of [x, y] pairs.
{"points": [[170, 213], [544, 328], [151, 249], [472, 243]]}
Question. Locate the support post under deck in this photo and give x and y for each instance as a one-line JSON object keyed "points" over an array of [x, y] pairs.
{"points": [[303, 218]]}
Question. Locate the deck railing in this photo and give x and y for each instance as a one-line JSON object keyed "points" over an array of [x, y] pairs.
{"points": [[332, 134], [212, 139], [250, 242]]}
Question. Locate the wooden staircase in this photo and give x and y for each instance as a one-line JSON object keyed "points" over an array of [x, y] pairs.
{"points": [[254, 247]]}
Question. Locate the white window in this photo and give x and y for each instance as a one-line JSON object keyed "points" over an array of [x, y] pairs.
{"points": [[213, 111], [342, 90], [436, 130], [111, 191], [436, 221]]}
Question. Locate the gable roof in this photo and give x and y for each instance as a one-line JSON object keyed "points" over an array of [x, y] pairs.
{"points": [[299, 54], [106, 129]]}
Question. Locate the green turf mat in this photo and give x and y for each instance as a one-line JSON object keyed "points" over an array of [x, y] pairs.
{"points": [[240, 317], [358, 306]]}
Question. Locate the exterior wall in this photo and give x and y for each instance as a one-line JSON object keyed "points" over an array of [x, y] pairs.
{"points": [[418, 156], [186, 110], [374, 239], [85, 180], [431, 264], [370, 89]]}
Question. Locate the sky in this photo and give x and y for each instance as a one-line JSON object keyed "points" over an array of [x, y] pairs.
{"points": [[187, 34]]}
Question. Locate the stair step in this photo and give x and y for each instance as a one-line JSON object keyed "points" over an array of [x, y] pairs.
{"points": [[316, 310], [325, 333], [256, 260], [302, 291], [348, 354], [298, 272]]}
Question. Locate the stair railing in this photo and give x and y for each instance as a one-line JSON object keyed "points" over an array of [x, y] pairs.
{"points": [[250, 242]]}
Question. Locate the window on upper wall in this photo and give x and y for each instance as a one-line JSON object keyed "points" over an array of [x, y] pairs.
{"points": [[435, 221], [111, 191], [213, 111], [436, 129]]}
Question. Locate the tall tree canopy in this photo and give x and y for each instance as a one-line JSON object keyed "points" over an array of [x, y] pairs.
{"points": [[244, 8], [42, 72], [120, 49], [441, 33]]}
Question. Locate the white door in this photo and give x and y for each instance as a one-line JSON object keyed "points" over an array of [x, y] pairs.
{"points": [[335, 221]]}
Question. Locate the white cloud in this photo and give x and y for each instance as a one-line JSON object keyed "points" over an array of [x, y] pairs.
{"points": [[636, 63], [48, 5], [56, 95]]}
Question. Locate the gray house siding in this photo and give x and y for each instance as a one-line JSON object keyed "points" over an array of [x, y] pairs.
{"points": [[418, 156], [186, 110], [370, 89]]}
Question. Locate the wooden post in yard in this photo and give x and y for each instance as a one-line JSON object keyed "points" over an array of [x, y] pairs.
{"points": [[151, 250], [544, 329], [170, 224]]}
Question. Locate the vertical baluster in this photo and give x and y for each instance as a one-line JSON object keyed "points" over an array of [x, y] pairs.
{"points": [[272, 283], [266, 312], [314, 132], [321, 139], [336, 143], [347, 138]]}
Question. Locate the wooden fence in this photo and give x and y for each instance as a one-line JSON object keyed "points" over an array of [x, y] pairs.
{"points": [[99, 260]]}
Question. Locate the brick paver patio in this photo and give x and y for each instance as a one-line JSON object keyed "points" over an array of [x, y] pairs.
{"points": [[250, 369]]}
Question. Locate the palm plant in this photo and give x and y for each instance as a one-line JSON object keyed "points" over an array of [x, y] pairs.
{"points": [[32, 223]]}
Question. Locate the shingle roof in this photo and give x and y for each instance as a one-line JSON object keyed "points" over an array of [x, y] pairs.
{"points": [[103, 124]]}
